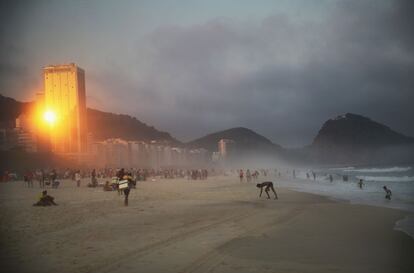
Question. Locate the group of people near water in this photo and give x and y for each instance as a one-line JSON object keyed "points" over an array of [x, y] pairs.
{"points": [[248, 176], [251, 175], [125, 180], [345, 178]]}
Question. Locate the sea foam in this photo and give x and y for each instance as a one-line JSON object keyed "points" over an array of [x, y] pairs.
{"points": [[377, 170], [387, 178]]}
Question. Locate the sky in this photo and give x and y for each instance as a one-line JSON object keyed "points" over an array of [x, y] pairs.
{"points": [[280, 68]]}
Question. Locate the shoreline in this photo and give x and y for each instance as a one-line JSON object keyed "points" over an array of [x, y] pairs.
{"points": [[218, 225], [406, 224]]}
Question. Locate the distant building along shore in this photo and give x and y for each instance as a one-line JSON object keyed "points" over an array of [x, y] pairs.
{"points": [[58, 124]]}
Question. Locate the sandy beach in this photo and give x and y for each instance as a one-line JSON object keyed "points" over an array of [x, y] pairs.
{"points": [[217, 225]]}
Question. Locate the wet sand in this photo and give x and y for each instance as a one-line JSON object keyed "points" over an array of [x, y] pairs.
{"points": [[218, 225]]}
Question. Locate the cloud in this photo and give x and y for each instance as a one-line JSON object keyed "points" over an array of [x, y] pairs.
{"points": [[280, 76]]}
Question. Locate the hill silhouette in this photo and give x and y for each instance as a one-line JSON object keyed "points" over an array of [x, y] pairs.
{"points": [[104, 125], [245, 140], [353, 138]]}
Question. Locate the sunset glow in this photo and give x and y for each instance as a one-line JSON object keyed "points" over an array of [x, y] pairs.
{"points": [[50, 117]]}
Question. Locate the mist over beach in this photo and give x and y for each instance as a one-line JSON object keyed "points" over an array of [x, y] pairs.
{"points": [[206, 136]]}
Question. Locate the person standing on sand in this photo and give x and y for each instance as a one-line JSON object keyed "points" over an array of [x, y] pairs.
{"points": [[127, 189], [268, 185], [53, 175], [93, 178], [330, 178], [28, 177], [248, 175], [241, 175], [78, 178], [360, 184], [42, 178], [388, 193]]}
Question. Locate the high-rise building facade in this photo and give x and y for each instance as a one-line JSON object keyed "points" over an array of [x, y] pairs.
{"points": [[65, 97], [224, 147]]}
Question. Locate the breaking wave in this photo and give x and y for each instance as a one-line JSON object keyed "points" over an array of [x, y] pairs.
{"points": [[387, 178], [378, 170]]}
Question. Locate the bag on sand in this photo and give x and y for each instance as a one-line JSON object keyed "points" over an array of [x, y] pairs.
{"points": [[123, 184]]}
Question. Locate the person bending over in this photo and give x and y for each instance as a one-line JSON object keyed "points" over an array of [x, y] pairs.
{"points": [[388, 193], [268, 185]]}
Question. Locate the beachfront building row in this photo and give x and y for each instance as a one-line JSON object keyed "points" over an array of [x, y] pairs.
{"points": [[117, 153], [225, 147], [22, 137]]}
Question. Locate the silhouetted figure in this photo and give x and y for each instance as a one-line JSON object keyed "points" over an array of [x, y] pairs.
{"points": [[360, 183], [78, 178], [53, 176], [330, 178], [28, 178], [388, 193], [45, 200], [121, 174], [125, 190], [268, 185]]}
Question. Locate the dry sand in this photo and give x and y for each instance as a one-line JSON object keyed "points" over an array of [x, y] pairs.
{"points": [[218, 225]]}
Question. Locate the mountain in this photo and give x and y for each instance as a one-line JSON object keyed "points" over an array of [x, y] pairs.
{"points": [[108, 125], [10, 109], [351, 130], [354, 138], [103, 124], [245, 140]]}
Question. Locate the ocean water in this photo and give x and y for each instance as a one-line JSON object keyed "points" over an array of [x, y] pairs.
{"points": [[399, 179]]}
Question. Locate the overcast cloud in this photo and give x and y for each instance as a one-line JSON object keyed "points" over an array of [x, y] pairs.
{"points": [[278, 74]]}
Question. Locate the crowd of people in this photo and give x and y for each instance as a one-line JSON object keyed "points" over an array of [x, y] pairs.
{"points": [[123, 180]]}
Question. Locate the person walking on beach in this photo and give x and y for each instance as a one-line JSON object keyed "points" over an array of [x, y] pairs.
{"points": [[360, 183], [330, 178], [78, 178], [241, 175], [388, 193], [40, 178], [268, 185], [28, 177], [127, 190], [248, 175]]}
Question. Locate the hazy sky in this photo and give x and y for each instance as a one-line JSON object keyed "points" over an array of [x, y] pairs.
{"points": [[190, 68]]}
